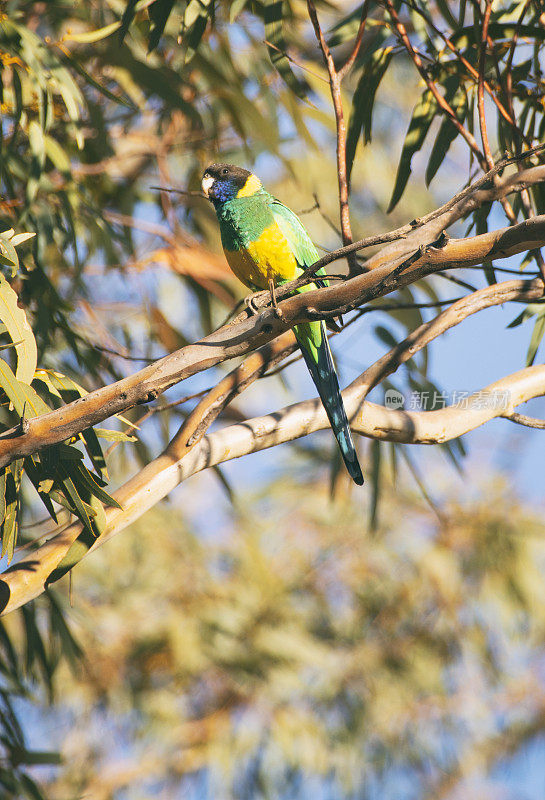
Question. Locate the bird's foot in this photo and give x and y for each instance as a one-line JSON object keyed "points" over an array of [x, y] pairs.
{"points": [[277, 311], [251, 300]]}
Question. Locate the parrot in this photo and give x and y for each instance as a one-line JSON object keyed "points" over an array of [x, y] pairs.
{"points": [[266, 245]]}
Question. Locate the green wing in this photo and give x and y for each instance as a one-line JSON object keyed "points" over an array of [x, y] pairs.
{"points": [[313, 342], [299, 240]]}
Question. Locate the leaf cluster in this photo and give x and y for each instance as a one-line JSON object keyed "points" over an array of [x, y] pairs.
{"points": [[333, 653]]}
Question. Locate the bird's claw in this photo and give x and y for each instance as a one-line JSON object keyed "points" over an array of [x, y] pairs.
{"points": [[251, 299], [277, 311]]}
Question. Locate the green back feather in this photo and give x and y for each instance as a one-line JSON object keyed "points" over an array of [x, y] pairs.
{"points": [[313, 341], [243, 220]]}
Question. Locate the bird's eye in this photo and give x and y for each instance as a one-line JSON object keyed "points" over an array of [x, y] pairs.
{"points": [[225, 171]]}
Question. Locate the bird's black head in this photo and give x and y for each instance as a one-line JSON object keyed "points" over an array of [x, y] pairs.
{"points": [[222, 182]]}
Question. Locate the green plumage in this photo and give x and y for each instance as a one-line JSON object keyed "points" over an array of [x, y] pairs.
{"points": [[313, 341], [263, 239]]}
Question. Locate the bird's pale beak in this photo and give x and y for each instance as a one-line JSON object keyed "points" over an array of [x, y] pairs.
{"points": [[207, 182]]}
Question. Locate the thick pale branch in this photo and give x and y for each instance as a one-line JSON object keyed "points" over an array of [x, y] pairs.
{"points": [[208, 409], [497, 294], [235, 340], [29, 577]]}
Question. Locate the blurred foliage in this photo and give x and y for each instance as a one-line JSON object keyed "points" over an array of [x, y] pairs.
{"points": [[100, 102], [300, 648], [32, 645]]}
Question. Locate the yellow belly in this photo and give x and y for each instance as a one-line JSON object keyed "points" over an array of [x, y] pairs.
{"points": [[270, 256]]}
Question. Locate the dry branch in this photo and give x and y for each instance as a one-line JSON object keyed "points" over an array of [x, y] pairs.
{"points": [[401, 32], [28, 578], [237, 340], [335, 80]]}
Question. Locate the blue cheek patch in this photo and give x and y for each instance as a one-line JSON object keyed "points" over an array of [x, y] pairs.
{"points": [[223, 191]]}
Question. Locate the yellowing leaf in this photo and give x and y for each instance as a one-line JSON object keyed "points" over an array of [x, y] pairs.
{"points": [[14, 318], [88, 37], [21, 237], [23, 397]]}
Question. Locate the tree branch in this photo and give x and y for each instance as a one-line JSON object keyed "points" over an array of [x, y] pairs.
{"points": [[28, 578], [240, 339], [335, 80], [441, 102]]}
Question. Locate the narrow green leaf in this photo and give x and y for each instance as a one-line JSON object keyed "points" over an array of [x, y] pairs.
{"points": [[35, 650], [113, 436], [19, 238], [15, 320], [519, 319], [346, 29], [70, 646], [159, 12], [535, 340], [24, 398], [39, 757], [127, 18], [16, 119], [3, 494], [363, 102], [392, 448], [422, 117], [386, 336], [448, 16], [375, 483], [74, 64], [36, 474], [274, 34], [81, 508], [75, 553], [224, 482], [94, 450], [8, 253], [10, 526], [447, 131], [97, 491], [191, 37]]}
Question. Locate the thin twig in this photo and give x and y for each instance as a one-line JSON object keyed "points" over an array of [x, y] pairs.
{"points": [[518, 135], [511, 216], [357, 45], [401, 233], [293, 61], [335, 88], [467, 64], [183, 192], [441, 102], [528, 422]]}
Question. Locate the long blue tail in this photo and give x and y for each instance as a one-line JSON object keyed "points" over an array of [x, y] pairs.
{"points": [[314, 346]]}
